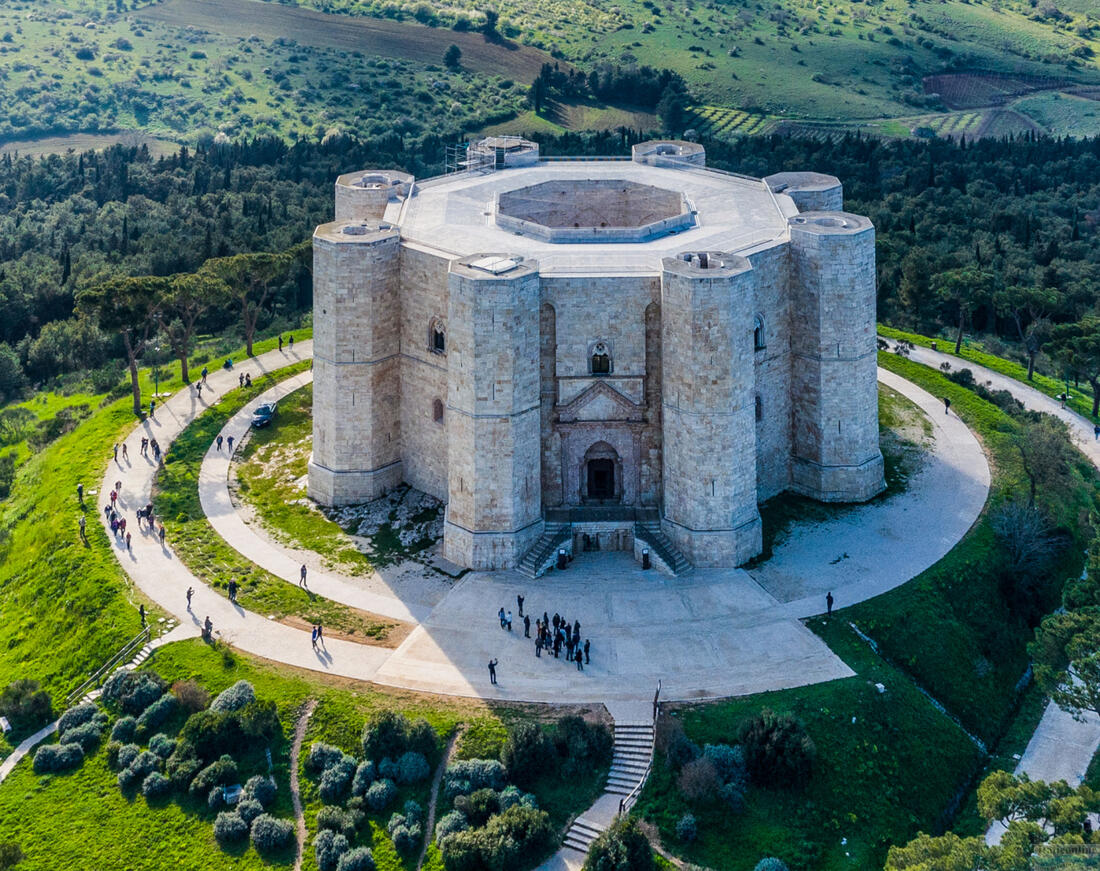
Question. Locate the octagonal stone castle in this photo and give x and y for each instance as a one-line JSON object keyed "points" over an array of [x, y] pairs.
{"points": [[589, 353]]}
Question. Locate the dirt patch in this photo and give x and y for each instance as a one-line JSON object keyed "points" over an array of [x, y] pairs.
{"points": [[395, 632], [372, 36]]}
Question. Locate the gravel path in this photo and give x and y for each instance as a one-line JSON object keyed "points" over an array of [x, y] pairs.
{"points": [[295, 791]]}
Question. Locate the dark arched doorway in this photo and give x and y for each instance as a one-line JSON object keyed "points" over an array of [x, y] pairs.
{"points": [[601, 475], [601, 480]]}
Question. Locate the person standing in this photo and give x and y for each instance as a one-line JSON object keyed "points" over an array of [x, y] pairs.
{"points": [[527, 626], [190, 593], [946, 405], [207, 628], [829, 604], [538, 646], [508, 621], [292, 342], [129, 549], [587, 647], [141, 614], [152, 409], [229, 445], [232, 590], [198, 390], [125, 452], [83, 529], [160, 534], [280, 341], [240, 379], [302, 579], [577, 631], [1096, 433], [579, 659], [218, 441], [493, 672], [519, 604], [116, 452], [205, 372], [500, 614], [80, 493]]}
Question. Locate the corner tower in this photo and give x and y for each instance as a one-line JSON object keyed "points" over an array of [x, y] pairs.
{"points": [[835, 450]]}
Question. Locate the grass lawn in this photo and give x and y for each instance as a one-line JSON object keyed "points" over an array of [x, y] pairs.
{"points": [[888, 764], [176, 499]]}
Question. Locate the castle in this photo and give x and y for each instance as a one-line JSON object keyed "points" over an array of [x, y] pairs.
{"points": [[623, 353]]}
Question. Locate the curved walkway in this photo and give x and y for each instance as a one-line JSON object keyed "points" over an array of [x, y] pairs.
{"points": [[715, 633], [1061, 747]]}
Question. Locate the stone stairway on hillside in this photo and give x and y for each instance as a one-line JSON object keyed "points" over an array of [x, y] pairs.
{"points": [[543, 553], [630, 761], [649, 531]]}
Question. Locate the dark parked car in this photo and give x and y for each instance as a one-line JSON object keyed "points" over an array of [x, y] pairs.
{"points": [[262, 416]]}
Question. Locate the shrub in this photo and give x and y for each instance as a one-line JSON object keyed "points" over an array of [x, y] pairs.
{"points": [[365, 775], [421, 738], [215, 799], [133, 691], [126, 754], [321, 756], [87, 735], [770, 863], [698, 781], [124, 730], [733, 794], [229, 828], [527, 753], [25, 704], [259, 720], [76, 716], [112, 754], [155, 785], [413, 812], [145, 763], [155, 715], [380, 795], [387, 768], [128, 780], [220, 773], [778, 751], [261, 789], [581, 744], [359, 859], [162, 745], [622, 847], [513, 795], [412, 767], [467, 775], [336, 779], [479, 806], [406, 839], [211, 734], [57, 757], [388, 733], [450, 824], [729, 764], [182, 772], [504, 843], [336, 819], [270, 833], [248, 809], [235, 698], [328, 847], [687, 830], [192, 697]]}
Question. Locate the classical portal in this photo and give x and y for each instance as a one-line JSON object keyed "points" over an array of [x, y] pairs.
{"points": [[588, 350]]}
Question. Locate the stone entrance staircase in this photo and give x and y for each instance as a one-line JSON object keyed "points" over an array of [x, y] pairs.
{"points": [[631, 758], [542, 555], [648, 530]]}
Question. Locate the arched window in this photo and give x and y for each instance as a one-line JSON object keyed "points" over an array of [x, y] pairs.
{"points": [[759, 340], [759, 409], [437, 410], [600, 360], [437, 337]]}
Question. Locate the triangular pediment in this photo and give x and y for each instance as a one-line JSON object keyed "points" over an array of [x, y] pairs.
{"points": [[601, 401]]}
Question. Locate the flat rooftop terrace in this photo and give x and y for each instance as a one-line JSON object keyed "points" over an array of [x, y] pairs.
{"points": [[568, 214]]}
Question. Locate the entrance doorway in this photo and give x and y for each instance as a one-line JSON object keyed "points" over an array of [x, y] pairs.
{"points": [[601, 479]]}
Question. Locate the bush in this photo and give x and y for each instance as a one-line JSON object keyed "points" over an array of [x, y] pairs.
{"points": [[380, 795], [133, 691], [191, 697], [406, 839], [450, 824], [412, 767], [229, 828], [270, 833], [328, 847], [215, 799], [124, 730], [220, 773], [155, 785], [321, 756], [235, 698], [211, 734], [162, 745], [770, 863], [359, 859], [622, 847], [336, 779], [582, 745], [468, 775], [413, 812], [25, 705], [390, 734], [365, 775], [698, 781], [182, 771], [145, 763], [527, 753], [729, 764], [155, 715], [479, 806], [248, 809], [259, 720], [51, 758], [261, 789], [388, 768], [125, 755], [505, 842], [778, 751], [687, 830], [87, 735], [337, 819], [76, 716], [733, 794]]}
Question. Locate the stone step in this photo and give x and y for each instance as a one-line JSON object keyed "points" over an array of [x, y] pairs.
{"points": [[629, 756], [637, 744], [579, 844], [629, 781], [629, 769], [582, 825], [616, 789]]}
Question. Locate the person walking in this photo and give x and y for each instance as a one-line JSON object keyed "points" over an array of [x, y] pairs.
{"points": [[247, 379], [493, 672], [232, 589], [205, 372], [527, 626], [302, 579], [190, 593], [321, 634], [1096, 433], [500, 614], [125, 452], [207, 628], [80, 492], [946, 405], [829, 604], [538, 647], [116, 452], [587, 647], [292, 342], [519, 604], [160, 533], [198, 390], [83, 529], [219, 440], [153, 409], [144, 447], [141, 614], [508, 621], [280, 341], [229, 444], [128, 547], [240, 379], [313, 637]]}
